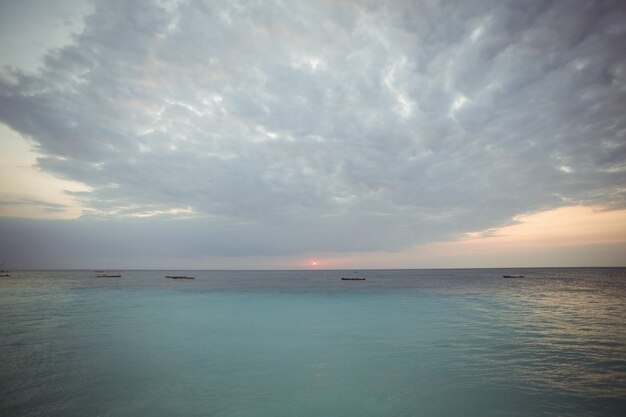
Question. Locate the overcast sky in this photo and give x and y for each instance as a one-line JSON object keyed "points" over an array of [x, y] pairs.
{"points": [[295, 130]]}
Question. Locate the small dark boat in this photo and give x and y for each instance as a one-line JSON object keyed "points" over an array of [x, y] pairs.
{"points": [[512, 276], [353, 278], [179, 277], [4, 273], [109, 276]]}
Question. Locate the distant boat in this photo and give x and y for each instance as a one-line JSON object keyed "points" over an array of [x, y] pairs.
{"points": [[512, 276], [4, 273], [102, 274], [179, 277], [353, 278]]}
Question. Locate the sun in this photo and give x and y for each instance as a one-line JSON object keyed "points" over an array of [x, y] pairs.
{"points": [[313, 263]]}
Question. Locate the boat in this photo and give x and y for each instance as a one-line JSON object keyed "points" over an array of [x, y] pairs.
{"points": [[4, 273], [512, 276], [353, 278], [179, 277], [109, 276]]}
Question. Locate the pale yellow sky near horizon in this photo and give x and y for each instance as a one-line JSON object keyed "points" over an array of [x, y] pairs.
{"points": [[25, 190], [572, 235]]}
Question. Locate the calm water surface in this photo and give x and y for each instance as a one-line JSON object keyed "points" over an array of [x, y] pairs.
{"points": [[305, 343]]}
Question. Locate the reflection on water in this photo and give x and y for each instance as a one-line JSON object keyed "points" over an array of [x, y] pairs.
{"points": [[569, 333]]}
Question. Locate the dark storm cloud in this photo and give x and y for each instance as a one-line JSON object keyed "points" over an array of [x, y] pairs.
{"points": [[338, 126]]}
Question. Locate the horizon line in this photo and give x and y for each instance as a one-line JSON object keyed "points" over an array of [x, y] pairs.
{"points": [[308, 269]]}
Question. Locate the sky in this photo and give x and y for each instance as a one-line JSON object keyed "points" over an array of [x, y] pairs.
{"points": [[328, 134]]}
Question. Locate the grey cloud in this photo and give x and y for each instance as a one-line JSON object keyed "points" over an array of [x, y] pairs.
{"points": [[46, 205], [86, 242], [349, 126]]}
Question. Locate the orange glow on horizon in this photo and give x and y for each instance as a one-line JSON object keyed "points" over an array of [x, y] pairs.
{"points": [[327, 262]]}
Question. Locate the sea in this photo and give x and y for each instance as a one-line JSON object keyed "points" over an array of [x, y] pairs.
{"points": [[456, 342]]}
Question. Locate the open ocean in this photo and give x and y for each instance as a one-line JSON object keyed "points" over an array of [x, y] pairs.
{"points": [[459, 342]]}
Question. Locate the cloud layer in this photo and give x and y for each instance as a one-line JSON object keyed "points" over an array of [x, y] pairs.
{"points": [[294, 127]]}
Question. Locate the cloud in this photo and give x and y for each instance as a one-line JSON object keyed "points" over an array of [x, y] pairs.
{"points": [[45, 205], [330, 125]]}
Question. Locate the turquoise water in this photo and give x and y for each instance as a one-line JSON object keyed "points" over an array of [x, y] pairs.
{"points": [[305, 343]]}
